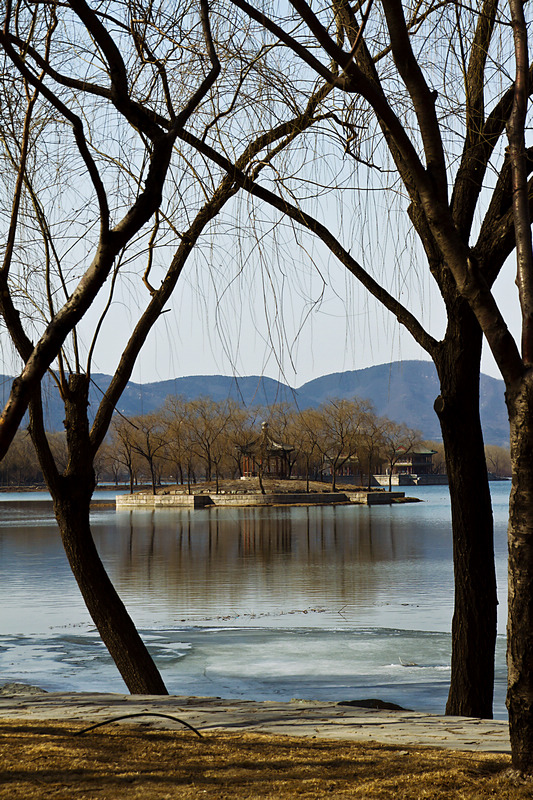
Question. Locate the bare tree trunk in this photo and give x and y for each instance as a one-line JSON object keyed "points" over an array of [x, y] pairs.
{"points": [[72, 494], [519, 398], [520, 539], [153, 477], [474, 618], [260, 477], [107, 610]]}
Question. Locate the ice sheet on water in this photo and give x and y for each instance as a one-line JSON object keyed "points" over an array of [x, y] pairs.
{"points": [[255, 663]]}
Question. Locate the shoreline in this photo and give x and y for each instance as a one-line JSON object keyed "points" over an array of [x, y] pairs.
{"points": [[234, 499], [300, 718]]}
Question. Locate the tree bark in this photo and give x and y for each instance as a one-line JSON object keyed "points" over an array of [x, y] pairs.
{"points": [[107, 610], [72, 494], [474, 618], [152, 476], [520, 570]]}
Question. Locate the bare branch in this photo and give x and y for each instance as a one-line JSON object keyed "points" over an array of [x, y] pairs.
{"points": [[423, 98], [517, 157], [302, 218]]}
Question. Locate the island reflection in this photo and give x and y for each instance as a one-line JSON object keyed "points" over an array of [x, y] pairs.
{"points": [[227, 559]]}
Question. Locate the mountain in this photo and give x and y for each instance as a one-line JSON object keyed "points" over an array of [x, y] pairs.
{"points": [[143, 398], [403, 390]]}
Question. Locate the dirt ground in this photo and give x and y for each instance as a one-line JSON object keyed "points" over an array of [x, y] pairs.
{"points": [[134, 761], [271, 485]]}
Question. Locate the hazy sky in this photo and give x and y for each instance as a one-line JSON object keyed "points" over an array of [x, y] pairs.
{"points": [[258, 297], [295, 320], [274, 303], [282, 328]]}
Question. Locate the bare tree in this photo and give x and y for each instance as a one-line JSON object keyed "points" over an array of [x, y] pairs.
{"points": [[148, 442], [372, 440], [239, 432], [307, 434], [37, 69], [122, 438], [410, 135], [109, 463], [20, 466], [340, 425], [283, 426], [147, 73], [441, 107], [498, 460], [36, 52], [175, 415], [207, 421], [398, 441]]}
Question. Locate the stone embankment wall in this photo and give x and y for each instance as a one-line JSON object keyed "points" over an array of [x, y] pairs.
{"points": [[249, 499]]}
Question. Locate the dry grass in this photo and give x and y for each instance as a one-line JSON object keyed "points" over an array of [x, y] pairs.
{"points": [[277, 485], [45, 760]]}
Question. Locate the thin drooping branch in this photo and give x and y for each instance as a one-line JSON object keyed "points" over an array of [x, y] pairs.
{"points": [[310, 223], [84, 86], [475, 155], [209, 80], [21, 341], [71, 117], [17, 191], [277, 31], [152, 313], [321, 34], [282, 134], [38, 357], [496, 239], [356, 81], [137, 116]]}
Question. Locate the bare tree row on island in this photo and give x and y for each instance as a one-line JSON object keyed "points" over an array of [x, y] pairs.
{"points": [[191, 441], [199, 440], [187, 442]]}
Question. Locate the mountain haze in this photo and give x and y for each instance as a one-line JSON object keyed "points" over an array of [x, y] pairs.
{"points": [[402, 390]]}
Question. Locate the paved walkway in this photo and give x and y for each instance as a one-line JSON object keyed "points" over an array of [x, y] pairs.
{"points": [[297, 718]]}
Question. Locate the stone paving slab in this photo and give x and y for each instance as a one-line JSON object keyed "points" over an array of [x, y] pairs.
{"points": [[296, 718]]}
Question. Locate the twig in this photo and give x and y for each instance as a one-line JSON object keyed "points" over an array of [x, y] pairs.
{"points": [[139, 714]]}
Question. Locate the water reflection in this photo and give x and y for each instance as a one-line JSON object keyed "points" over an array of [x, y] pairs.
{"points": [[297, 600], [207, 563]]}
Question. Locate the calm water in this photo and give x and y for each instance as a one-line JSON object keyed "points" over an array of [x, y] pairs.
{"points": [[258, 603]]}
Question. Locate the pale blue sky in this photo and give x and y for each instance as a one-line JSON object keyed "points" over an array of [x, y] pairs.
{"points": [[346, 331]]}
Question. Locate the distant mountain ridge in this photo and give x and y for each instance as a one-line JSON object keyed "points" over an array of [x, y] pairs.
{"points": [[402, 390], [405, 391]]}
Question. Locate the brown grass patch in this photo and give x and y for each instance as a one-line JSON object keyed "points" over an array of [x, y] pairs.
{"points": [[277, 485], [45, 760]]}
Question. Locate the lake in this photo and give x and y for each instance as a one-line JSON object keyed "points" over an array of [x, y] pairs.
{"points": [[265, 603]]}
